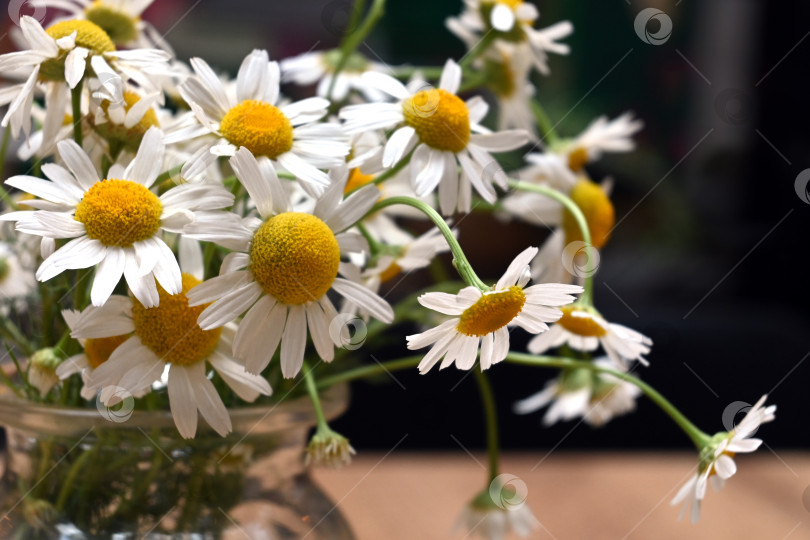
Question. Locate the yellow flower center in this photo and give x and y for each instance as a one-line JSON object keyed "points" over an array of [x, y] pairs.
{"points": [[88, 35], [577, 159], [118, 134], [119, 212], [441, 119], [294, 257], [170, 329], [494, 310], [598, 211], [258, 126], [5, 268], [357, 180], [581, 323], [98, 350], [119, 26]]}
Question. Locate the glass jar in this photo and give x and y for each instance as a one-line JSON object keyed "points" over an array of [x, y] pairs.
{"points": [[98, 474]]}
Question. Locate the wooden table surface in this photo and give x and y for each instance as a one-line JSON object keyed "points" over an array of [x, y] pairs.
{"points": [[575, 495]]}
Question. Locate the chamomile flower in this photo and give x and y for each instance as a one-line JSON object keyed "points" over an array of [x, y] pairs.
{"points": [[319, 67], [42, 370], [511, 21], [122, 124], [480, 319], [716, 458], [509, 66], [60, 55], [168, 335], [121, 19], [596, 397], [417, 253], [287, 135], [582, 328], [443, 131], [115, 224], [96, 351], [282, 269]]}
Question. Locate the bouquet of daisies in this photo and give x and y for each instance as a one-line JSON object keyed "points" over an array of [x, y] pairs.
{"points": [[195, 240]]}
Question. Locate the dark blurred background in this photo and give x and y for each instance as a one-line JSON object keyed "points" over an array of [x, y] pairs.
{"points": [[707, 256]]}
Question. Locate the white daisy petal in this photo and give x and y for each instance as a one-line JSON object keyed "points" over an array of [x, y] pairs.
{"points": [[293, 342]]}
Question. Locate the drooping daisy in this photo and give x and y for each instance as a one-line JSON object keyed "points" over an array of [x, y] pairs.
{"points": [[168, 334], [121, 19], [582, 328], [443, 131], [60, 55], [596, 397], [480, 319], [496, 519], [288, 136], [509, 67], [282, 268], [319, 67], [511, 21], [42, 370], [716, 458], [417, 253], [115, 224]]}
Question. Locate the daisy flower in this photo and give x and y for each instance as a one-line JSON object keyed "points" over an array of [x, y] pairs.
{"points": [[282, 268], [115, 224], [480, 319], [287, 135], [319, 67], [599, 137], [582, 328], [168, 335], [60, 55], [443, 131], [95, 351], [512, 21], [716, 458], [122, 124], [120, 19], [596, 397]]}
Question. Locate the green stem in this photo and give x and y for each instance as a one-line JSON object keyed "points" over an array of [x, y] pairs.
{"points": [[373, 245], [547, 132], [460, 261], [4, 195], [478, 49], [699, 438], [428, 72], [355, 38], [67, 486], [76, 102], [312, 389], [10, 332], [488, 401], [370, 371], [357, 14], [587, 296]]}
